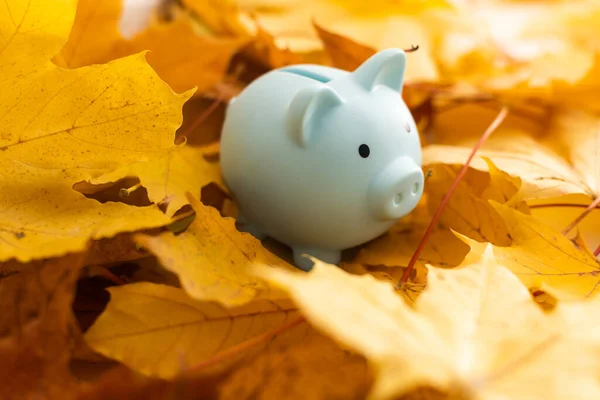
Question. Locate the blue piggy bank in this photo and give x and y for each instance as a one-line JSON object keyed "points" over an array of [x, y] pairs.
{"points": [[323, 159]]}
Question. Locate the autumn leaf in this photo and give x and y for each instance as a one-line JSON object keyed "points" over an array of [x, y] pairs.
{"points": [[212, 258], [121, 383], [575, 135], [315, 368], [61, 127], [38, 331], [468, 211], [396, 247], [349, 43], [467, 347], [539, 254], [543, 173], [559, 212], [180, 331], [195, 61], [226, 19], [291, 22], [169, 176], [560, 162]]}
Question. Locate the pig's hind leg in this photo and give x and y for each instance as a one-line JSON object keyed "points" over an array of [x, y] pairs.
{"points": [[244, 225], [306, 264]]}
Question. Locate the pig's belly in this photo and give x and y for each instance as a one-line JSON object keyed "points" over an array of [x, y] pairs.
{"points": [[300, 215]]}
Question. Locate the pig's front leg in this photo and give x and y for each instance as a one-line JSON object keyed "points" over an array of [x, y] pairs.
{"points": [[306, 264]]}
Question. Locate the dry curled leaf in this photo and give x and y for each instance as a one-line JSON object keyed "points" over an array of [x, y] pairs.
{"points": [[315, 368], [37, 333]]}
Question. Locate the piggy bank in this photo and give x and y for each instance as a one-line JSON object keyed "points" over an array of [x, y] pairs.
{"points": [[323, 159]]}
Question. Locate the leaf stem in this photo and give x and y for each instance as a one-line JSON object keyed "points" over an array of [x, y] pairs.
{"points": [[493, 126], [597, 251], [248, 344], [125, 192], [584, 214]]}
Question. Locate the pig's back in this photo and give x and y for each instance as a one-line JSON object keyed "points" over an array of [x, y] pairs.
{"points": [[261, 165]]}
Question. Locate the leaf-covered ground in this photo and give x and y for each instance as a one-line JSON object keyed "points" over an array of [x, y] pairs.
{"points": [[123, 274]]}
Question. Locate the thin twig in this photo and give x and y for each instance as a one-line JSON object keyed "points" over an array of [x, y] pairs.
{"points": [[584, 214], [567, 205], [202, 117], [493, 126], [248, 344]]}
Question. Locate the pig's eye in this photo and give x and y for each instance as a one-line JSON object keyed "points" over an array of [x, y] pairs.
{"points": [[364, 150], [407, 126]]}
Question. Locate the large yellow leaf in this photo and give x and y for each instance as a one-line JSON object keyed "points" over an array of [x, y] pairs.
{"points": [[169, 176], [158, 329], [181, 57], [212, 258], [60, 127], [541, 255], [457, 338]]}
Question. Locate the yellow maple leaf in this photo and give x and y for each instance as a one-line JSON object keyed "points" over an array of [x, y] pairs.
{"points": [[212, 258], [180, 56], [468, 211], [178, 330], [559, 212], [60, 127], [541, 255], [457, 338]]}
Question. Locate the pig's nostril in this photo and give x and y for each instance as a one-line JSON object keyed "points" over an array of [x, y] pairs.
{"points": [[398, 198], [415, 188]]}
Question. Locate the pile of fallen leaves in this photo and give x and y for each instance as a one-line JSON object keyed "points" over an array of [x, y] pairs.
{"points": [[122, 273]]}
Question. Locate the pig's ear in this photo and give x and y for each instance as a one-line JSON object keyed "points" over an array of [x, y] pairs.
{"points": [[307, 110], [384, 68]]}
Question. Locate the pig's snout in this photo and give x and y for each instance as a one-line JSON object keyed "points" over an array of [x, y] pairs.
{"points": [[396, 190]]}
